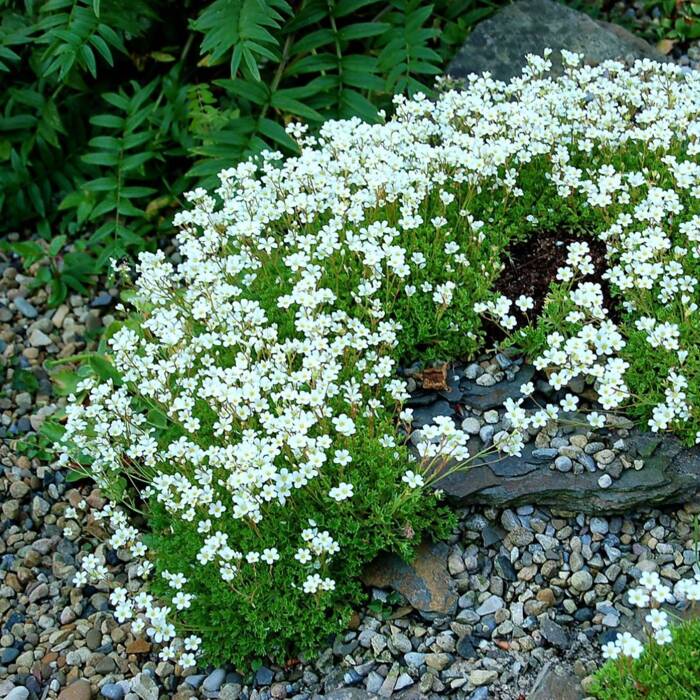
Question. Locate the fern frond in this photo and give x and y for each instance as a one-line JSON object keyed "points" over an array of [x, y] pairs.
{"points": [[72, 33], [240, 30], [118, 155], [406, 56]]}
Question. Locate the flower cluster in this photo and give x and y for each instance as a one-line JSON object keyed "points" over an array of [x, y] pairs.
{"points": [[255, 384], [652, 594]]}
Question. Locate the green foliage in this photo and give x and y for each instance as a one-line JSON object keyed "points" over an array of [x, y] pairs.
{"points": [[111, 109], [677, 21], [59, 267], [662, 672], [666, 22], [275, 607]]}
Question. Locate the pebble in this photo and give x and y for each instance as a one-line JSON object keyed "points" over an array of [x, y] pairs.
{"points": [[563, 463], [554, 633], [437, 661], [486, 380], [491, 417], [214, 680], [112, 691], [604, 457], [39, 339], [231, 691], [25, 308], [414, 658], [599, 526], [144, 687], [471, 426], [486, 434], [481, 677], [263, 676], [80, 690], [581, 580], [17, 694]]}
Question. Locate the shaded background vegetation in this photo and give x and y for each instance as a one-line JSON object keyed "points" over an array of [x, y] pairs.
{"points": [[111, 109]]}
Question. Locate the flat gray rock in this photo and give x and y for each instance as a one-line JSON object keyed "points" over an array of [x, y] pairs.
{"points": [[555, 682], [499, 44], [671, 474]]}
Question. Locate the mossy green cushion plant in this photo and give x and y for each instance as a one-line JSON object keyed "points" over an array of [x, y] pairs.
{"points": [[665, 663], [250, 408], [660, 673]]}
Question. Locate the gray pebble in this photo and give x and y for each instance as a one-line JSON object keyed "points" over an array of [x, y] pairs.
{"points": [[581, 580], [471, 426], [214, 680], [26, 309], [489, 606], [414, 658], [17, 694], [112, 691], [563, 464]]}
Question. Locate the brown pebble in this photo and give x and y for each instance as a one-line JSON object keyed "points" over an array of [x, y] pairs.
{"points": [[138, 646], [80, 690], [546, 595]]}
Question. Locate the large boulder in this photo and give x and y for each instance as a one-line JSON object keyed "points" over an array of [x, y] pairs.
{"points": [[499, 44]]}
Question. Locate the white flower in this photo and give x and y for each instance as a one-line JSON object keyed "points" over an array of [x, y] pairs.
{"points": [[342, 457], [182, 601], [663, 636], [629, 646], [406, 415], [415, 481], [569, 402], [610, 650], [525, 303], [187, 660], [658, 619], [270, 555], [344, 425], [192, 643], [341, 492], [303, 556], [662, 594], [596, 420], [639, 597], [527, 389], [312, 583], [650, 580]]}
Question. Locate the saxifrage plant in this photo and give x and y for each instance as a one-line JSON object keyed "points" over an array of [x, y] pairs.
{"points": [[250, 406]]}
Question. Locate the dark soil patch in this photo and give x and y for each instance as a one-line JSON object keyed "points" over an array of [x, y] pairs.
{"points": [[531, 265]]}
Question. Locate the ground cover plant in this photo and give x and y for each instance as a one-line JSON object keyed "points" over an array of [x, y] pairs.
{"points": [[666, 666], [249, 412], [662, 671]]}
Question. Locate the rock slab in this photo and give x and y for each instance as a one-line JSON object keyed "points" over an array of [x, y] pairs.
{"points": [[671, 474], [425, 582], [499, 44]]}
